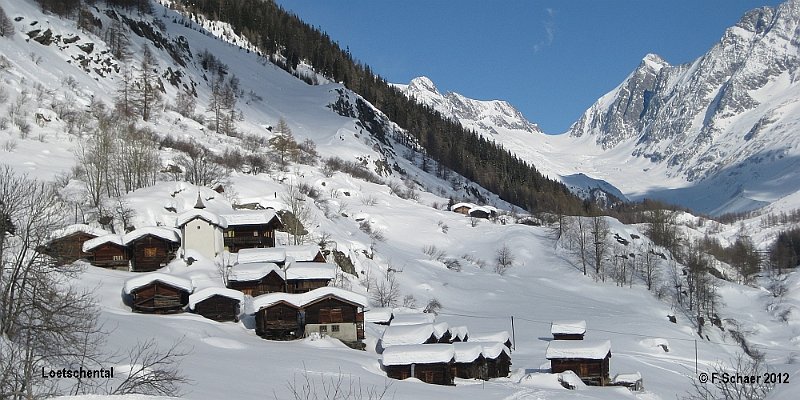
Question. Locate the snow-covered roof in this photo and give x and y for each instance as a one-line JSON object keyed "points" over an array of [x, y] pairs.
{"points": [[467, 352], [378, 315], [144, 280], [304, 299], [407, 334], [69, 230], [588, 349], [480, 208], [209, 292], [459, 332], [253, 271], [91, 244], [568, 327], [459, 205], [492, 350], [500, 337], [302, 253], [207, 216], [413, 319], [250, 217], [418, 354], [439, 329], [157, 231], [311, 270], [266, 255]]}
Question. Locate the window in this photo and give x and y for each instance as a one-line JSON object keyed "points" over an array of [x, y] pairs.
{"points": [[230, 233], [323, 329], [334, 328], [255, 233], [150, 251], [336, 315], [118, 258]]}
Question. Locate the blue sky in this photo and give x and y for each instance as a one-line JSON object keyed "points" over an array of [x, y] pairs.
{"points": [[550, 59]]}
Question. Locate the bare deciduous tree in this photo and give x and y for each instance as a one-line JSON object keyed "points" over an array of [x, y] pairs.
{"points": [[718, 388], [504, 259], [386, 292]]}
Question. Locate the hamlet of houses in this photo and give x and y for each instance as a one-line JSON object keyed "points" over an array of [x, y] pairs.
{"points": [[292, 299]]}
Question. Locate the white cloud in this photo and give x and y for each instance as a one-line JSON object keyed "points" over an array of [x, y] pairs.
{"points": [[549, 25]]}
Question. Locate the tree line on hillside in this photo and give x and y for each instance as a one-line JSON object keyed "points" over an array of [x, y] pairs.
{"points": [[276, 31]]}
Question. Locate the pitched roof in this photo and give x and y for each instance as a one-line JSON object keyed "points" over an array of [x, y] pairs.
{"points": [[407, 334], [466, 352], [460, 332], [304, 299], [311, 270], [568, 327], [500, 337], [378, 314], [492, 350], [586, 349], [146, 279], [165, 233], [91, 244], [251, 217], [71, 229], [209, 292], [207, 216], [303, 253], [253, 271], [418, 354], [268, 255]]}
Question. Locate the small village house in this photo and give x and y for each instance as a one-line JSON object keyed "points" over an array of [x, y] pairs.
{"points": [[107, 251], [250, 229], [158, 293], [462, 208], [568, 330], [469, 361], [217, 303], [151, 248], [256, 279], [66, 245], [588, 359], [431, 363], [201, 231], [497, 360], [307, 276], [278, 318]]}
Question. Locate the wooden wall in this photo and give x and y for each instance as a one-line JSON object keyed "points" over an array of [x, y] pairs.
{"points": [[69, 248], [439, 373], [110, 255], [158, 297], [149, 253], [278, 322], [592, 372], [219, 308], [330, 310], [271, 283]]}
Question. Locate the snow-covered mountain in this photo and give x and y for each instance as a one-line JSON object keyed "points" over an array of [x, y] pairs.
{"points": [[54, 75], [726, 123]]}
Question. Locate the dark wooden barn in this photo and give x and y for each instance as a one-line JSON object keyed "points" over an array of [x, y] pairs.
{"points": [[497, 360], [250, 229], [158, 293], [151, 248], [462, 208], [588, 359], [107, 252], [307, 276], [568, 330], [279, 321], [219, 304], [479, 212], [66, 245], [256, 279], [433, 363], [469, 360]]}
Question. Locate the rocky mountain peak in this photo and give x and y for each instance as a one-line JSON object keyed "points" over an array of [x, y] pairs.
{"points": [[422, 84]]}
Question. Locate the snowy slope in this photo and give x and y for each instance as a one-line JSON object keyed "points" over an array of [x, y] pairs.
{"points": [[227, 360]]}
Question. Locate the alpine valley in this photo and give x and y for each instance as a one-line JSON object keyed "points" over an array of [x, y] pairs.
{"points": [[243, 142]]}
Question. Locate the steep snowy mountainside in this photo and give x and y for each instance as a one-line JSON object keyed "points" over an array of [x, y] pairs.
{"points": [[500, 122], [728, 118]]}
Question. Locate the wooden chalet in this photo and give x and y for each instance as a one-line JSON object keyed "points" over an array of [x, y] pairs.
{"points": [[469, 361], [462, 208], [158, 293], [219, 304], [433, 363], [480, 212], [256, 279], [107, 251], [250, 229], [326, 311], [307, 276], [568, 330], [151, 248], [588, 359], [66, 245], [497, 360]]}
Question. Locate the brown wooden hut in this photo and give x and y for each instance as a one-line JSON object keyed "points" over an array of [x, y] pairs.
{"points": [[588, 359], [307, 276], [107, 251], [151, 248], [158, 293], [469, 360], [256, 279], [462, 208], [279, 321], [336, 316], [250, 229], [66, 245], [497, 360], [568, 330], [433, 363], [219, 304]]}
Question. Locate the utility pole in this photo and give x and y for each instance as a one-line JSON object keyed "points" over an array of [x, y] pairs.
{"points": [[513, 335]]}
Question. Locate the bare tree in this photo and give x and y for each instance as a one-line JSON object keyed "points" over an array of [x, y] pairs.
{"points": [[298, 214], [386, 292], [504, 259], [153, 371], [341, 387], [718, 388], [200, 168], [580, 241], [146, 87], [284, 144], [600, 231], [6, 26], [650, 262]]}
